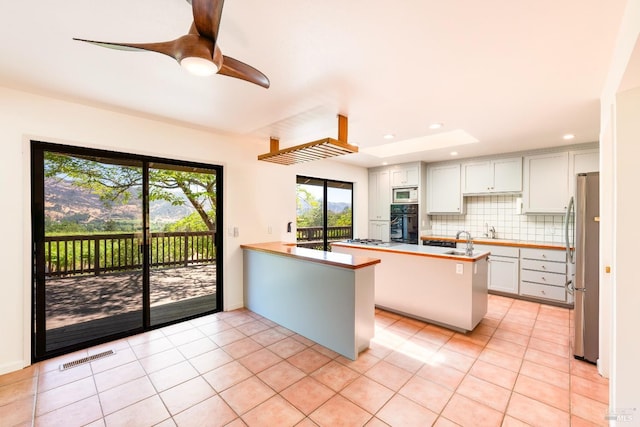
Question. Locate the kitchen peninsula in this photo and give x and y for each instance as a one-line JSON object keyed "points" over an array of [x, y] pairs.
{"points": [[324, 296], [439, 285]]}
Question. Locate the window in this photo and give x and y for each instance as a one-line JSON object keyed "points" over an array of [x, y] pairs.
{"points": [[324, 212]]}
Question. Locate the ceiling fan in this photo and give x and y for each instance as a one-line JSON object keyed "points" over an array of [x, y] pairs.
{"points": [[198, 50]]}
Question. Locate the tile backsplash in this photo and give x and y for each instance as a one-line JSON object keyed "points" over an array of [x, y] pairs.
{"points": [[500, 212]]}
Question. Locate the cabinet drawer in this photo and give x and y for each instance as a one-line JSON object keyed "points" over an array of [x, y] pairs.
{"points": [[544, 266], [506, 251], [544, 254], [543, 291], [543, 277]]}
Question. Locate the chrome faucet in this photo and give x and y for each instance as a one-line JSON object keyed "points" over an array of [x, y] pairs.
{"points": [[492, 232], [469, 250]]}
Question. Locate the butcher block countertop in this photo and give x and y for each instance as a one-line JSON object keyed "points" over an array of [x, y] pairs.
{"points": [[312, 255], [501, 242]]}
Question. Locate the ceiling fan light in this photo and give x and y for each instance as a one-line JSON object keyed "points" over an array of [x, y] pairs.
{"points": [[199, 66]]}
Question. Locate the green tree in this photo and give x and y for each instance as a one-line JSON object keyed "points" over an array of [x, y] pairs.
{"points": [[118, 184], [342, 219], [309, 208], [191, 222]]}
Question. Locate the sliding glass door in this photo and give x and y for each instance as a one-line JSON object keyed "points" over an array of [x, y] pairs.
{"points": [[182, 253], [122, 244], [89, 238], [324, 212]]}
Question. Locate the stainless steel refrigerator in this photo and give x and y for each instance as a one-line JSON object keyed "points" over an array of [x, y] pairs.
{"points": [[586, 282]]}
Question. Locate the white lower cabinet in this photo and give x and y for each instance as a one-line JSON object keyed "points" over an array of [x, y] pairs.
{"points": [[504, 268], [543, 274], [379, 230]]}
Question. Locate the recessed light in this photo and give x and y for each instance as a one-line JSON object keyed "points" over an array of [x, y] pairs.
{"points": [[568, 136], [385, 163], [389, 136], [434, 126], [454, 153]]}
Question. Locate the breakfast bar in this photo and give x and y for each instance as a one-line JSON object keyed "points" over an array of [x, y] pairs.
{"points": [[324, 296]]}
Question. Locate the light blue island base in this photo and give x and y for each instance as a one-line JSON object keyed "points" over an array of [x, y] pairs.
{"points": [[328, 304]]}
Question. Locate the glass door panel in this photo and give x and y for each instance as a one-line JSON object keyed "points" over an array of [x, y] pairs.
{"points": [[89, 275], [182, 242], [339, 211], [324, 212], [310, 218]]}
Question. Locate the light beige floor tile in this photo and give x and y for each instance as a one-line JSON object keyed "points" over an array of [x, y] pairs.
{"points": [[80, 413], [186, 395], [148, 412], [126, 394], [514, 369]]}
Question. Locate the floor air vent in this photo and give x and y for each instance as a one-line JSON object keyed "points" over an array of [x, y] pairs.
{"points": [[84, 360]]}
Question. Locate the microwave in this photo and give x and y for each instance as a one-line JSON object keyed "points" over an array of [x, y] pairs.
{"points": [[405, 195]]}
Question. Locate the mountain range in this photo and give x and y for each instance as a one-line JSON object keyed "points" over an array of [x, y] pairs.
{"points": [[66, 202]]}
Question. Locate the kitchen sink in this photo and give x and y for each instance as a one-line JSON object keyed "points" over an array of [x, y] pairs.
{"points": [[458, 252]]}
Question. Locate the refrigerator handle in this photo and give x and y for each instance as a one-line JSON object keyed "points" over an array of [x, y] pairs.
{"points": [[570, 286], [567, 223]]}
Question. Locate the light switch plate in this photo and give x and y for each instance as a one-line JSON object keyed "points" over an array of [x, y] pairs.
{"points": [[459, 269]]}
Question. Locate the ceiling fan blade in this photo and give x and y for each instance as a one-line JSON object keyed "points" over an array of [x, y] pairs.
{"points": [[234, 68], [166, 48], [206, 17]]}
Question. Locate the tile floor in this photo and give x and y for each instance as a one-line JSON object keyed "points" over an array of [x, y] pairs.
{"points": [[239, 369]]}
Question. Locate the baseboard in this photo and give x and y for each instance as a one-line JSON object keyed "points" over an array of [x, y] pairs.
{"points": [[235, 306], [13, 366]]}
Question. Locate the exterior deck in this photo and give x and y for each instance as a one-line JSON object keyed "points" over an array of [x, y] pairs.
{"points": [[81, 306]]}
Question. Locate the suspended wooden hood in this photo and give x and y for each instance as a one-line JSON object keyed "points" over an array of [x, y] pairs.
{"points": [[316, 150]]}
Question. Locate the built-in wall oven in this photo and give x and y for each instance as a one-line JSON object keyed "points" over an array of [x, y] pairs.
{"points": [[404, 223]]}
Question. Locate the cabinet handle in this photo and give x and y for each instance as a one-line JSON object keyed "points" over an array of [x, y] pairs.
{"points": [[543, 292], [543, 278], [543, 267]]}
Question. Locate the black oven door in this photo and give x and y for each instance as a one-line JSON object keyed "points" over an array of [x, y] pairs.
{"points": [[404, 228]]}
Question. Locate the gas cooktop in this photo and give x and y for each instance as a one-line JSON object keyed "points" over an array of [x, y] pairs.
{"points": [[371, 242]]}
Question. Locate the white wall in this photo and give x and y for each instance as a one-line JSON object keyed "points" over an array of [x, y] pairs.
{"points": [[620, 294], [625, 389], [256, 194]]}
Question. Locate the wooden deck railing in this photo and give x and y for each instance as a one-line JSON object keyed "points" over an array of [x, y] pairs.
{"points": [[313, 237], [103, 253]]}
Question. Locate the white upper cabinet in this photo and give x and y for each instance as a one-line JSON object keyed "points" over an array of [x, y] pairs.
{"points": [[492, 176], [379, 195], [444, 193], [405, 175], [546, 183], [582, 161]]}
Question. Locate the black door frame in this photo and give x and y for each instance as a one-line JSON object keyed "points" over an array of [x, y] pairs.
{"points": [[325, 185], [38, 318]]}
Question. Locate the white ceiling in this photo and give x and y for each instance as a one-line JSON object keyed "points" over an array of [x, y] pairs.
{"points": [[515, 75]]}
